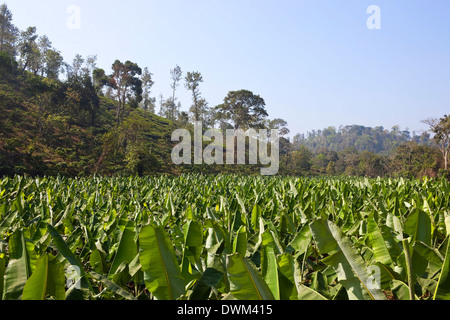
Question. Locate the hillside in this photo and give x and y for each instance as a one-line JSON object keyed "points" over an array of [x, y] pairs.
{"points": [[54, 127], [70, 127], [47, 129]]}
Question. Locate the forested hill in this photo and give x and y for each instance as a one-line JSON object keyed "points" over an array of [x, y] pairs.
{"points": [[377, 140], [53, 127], [69, 127]]}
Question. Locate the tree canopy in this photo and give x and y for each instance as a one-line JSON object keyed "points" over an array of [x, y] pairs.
{"points": [[243, 109]]}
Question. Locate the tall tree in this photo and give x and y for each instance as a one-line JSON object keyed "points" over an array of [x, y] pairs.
{"points": [[53, 64], [76, 69], [161, 105], [99, 79], [441, 129], [279, 124], [199, 108], [81, 99], [8, 32], [44, 45], [176, 75], [126, 85], [28, 48], [243, 109], [170, 110], [148, 103]]}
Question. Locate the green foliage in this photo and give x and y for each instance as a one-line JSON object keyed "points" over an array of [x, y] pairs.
{"points": [[376, 140], [8, 65], [242, 110], [224, 237]]}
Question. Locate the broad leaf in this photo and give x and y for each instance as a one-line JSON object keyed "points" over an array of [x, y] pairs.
{"points": [[269, 269], [81, 288], [418, 226], [127, 248], [306, 293], [111, 286], [443, 286], [346, 260], [209, 279], [47, 279], [19, 269], [380, 250], [162, 274], [245, 281]]}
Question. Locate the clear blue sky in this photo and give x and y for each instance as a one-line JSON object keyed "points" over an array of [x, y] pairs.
{"points": [[314, 62]]}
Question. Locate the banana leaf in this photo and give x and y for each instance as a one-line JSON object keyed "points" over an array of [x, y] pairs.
{"points": [[47, 280], [346, 260], [162, 273], [19, 267], [245, 281]]}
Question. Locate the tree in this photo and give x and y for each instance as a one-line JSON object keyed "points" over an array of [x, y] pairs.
{"points": [[148, 103], [199, 108], [99, 79], [300, 163], [28, 48], [8, 32], [126, 85], [75, 70], [441, 130], [243, 109], [280, 125], [414, 159], [44, 45], [86, 101], [176, 75], [170, 110], [371, 164], [7, 65], [53, 64]]}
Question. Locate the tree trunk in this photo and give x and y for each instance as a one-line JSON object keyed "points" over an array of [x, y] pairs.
{"points": [[446, 160]]}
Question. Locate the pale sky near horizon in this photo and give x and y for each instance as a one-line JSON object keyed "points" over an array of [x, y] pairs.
{"points": [[315, 62]]}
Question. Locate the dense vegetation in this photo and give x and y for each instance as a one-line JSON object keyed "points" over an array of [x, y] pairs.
{"points": [[77, 119], [225, 237], [92, 207]]}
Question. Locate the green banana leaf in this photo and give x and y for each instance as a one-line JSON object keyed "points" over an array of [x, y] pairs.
{"points": [[418, 226], [301, 242], [127, 248], [245, 281], [111, 286], [81, 289], [306, 293], [193, 245], [19, 268], [380, 250], [443, 287], [203, 287], [162, 274], [47, 279], [97, 261], [286, 277], [269, 269], [240, 241], [346, 260], [65, 251]]}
